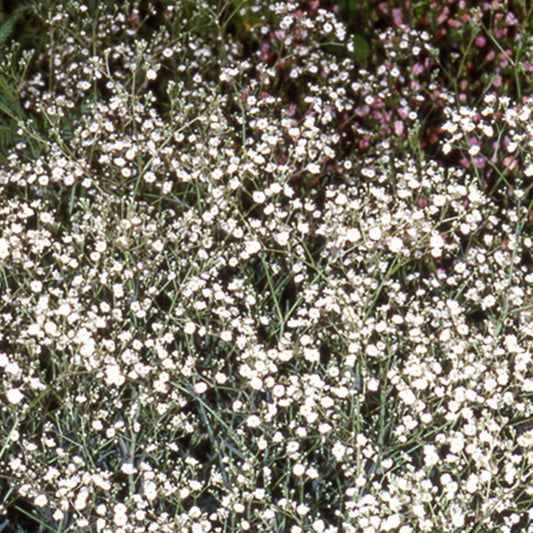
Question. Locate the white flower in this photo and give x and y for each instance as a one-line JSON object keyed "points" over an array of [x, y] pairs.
{"points": [[118, 290], [226, 336], [338, 451], [458, 519], [41, 500], [282, 238], [395, 244], [14, 396], [353, 235], [253, 421], [200, 387], [50, 328], [121, 518], [436, 241], [298, 470], [278, 391], [259, 197], [457, 444], [4, 248], [36, 286], [487, 129], [488, 302], [407, 396], [114, 376], [80, 503], [374, 234], [151, 74], [149, 177], [392, 522], [312, 473], [472, 484], [313, 168], [189, 328], [239, 508], [256, 383], [252, 247], [431, 457], [150, 490], [302, 509], [474, 150], [372, 351], [128, 469]]}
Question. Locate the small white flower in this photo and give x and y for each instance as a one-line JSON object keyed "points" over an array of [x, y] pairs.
{"points": [[338, 451], [256, 383], [121, 518], [189, 328], [298, 470], [253, 421], [50, 328], [239, 508], [395, 244], [407, 396], [392, 522], [259, 197], [302, 509], [282, 238], [431, 457], [458, 519], [200, 387], [252, 247], [36, 286], [118, 290], [488, 302], [472, 484], [41, 500], [372, 350], [313, 168], [158, 245], [149, 177], [474, 150], [14, 396], [114, 376], [151, 74], [4, 248], [374, 234], [150, 490], [226, 336], [128, 469], [312, 473]]}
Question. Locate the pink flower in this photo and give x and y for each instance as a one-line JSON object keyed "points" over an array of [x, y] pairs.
{"points": [[398, 127], [480, 41]]}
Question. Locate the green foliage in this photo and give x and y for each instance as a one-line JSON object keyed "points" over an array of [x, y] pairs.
{"points": [[10, 113]]}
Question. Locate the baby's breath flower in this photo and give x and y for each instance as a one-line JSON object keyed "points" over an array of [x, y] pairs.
{"points": [[200, 387], [189, 328], [252, 247], [298, 470], [253, 421], [14, 396], [4, 248]]}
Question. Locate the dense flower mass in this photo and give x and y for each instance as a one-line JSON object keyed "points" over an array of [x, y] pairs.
{"points": [[266, 267]]}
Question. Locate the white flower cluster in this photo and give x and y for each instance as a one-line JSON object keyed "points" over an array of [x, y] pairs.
{"points": [[229, 302]]}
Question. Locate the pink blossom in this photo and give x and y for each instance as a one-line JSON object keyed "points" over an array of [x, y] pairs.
{"points": [[398, 127]]}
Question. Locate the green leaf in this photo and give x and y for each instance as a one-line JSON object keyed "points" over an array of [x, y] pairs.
{"points": [[7, 27], [361, 48]]}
